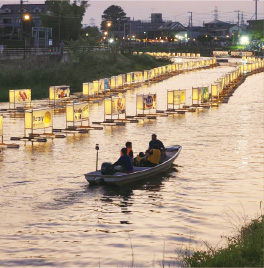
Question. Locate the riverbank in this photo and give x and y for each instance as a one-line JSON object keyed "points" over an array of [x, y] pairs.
{"points": [[243, 250], [38, 74]]}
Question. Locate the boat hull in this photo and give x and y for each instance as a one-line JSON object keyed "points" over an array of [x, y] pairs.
{"points": [[140, 173]]}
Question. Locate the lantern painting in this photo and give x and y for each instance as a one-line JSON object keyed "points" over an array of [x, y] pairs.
{"points": [[77, 112], [38, 118], [21, 96], [149, 101], [175, 97], [59, 92], [116, 105]]}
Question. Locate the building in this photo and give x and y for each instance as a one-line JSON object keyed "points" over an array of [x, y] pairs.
{"points": [[155, 29], [10, 22]]}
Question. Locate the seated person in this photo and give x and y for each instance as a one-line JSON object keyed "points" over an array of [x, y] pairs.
{"points": [[124, 161], [129, 150], [158, 144], [138, 160], [153, 157]]}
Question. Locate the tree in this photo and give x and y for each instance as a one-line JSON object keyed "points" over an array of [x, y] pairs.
{"points": [[116, 16], [91, 34], [65, 19]]}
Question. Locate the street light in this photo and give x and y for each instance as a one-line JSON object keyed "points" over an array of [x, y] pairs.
{"points": [[109, 24], [26, 23]]}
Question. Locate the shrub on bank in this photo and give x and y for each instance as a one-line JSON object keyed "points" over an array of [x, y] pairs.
{"points": [[244, 250], [85, 67]]}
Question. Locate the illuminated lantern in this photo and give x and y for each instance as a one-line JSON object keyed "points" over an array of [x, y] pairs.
{"points": [[113, 83], [77, 112], [96, 87], [1, 128], [175, 97], [116, 105], [59, 93], [38, 119], [145, 102], [19, 96]]}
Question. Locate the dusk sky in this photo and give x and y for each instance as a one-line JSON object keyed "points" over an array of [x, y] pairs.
{"points": [[175, 10]]}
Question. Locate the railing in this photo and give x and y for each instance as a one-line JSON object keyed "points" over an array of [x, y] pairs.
{"points": [[25, 52]]}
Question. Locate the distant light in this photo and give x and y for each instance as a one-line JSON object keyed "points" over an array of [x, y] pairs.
{"points": [[105, 33], [244, 40], [111, 40], [86, 34], [215, 38], [206, 35], [26, 17], [227, 36], [133, 36], [109, 24], [144, 32]]}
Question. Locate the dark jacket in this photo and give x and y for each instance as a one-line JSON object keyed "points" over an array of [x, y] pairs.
{"points": [[158, 143], [125, 162]]}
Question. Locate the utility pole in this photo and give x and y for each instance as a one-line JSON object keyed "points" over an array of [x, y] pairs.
{"points": [[21, 20], [256, 9], [215, 14], [190, 19], [238, 11]]}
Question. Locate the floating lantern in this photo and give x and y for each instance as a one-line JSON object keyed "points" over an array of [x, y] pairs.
{"points": [[120, 82], [175, 97], [39, 119], [115, 106], [113, 83], [146, 102], [96, 87], [59, 93], [77, 113], [19, 96], [1, 128], [200, 95]]}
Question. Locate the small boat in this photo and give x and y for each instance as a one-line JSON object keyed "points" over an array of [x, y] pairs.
{"points": [[121, 178]]}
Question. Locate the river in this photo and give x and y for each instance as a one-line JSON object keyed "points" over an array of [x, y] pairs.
{"points": [[51, 217]]}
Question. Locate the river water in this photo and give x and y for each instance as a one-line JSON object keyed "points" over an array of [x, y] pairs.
{"points": [[50, 216]]}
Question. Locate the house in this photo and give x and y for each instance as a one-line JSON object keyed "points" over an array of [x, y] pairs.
{"points": [[10, 22]]}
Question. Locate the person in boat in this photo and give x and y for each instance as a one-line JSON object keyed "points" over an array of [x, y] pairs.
{"points": [[124, 161], [159, 145], [129, 150], [152, 157], [138, 160]]}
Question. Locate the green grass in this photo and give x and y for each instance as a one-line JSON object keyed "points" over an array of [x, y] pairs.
{"points": [[85, 67], [244, 250]]}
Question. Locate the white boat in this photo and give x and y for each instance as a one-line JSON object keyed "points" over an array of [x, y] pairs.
{"points": [[121, 178]]}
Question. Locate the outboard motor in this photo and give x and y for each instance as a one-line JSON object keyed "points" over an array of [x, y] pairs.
{"points": [[107, 169]]}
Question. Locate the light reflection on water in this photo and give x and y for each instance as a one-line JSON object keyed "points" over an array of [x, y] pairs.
{"points": [[50, 216]]}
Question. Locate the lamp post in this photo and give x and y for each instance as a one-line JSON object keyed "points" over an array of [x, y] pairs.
{"points": [[26, 18]]}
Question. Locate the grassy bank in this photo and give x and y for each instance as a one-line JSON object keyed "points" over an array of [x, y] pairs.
{"points": [[39, 74], [244, 250]]}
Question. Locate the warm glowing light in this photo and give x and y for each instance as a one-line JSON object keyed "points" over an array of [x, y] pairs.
{"points": [[109, 24], [111, 40], [244, 40], [26, 17], [105, 33]]}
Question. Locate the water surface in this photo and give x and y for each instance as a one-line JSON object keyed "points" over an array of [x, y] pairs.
{"points": [[50, 216]]}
